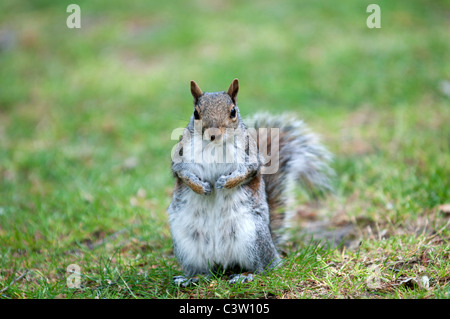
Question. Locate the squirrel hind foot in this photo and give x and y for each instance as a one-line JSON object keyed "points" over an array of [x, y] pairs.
{"points": [[241, 278], [184, 282]]}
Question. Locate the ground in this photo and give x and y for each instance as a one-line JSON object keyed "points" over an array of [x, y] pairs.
{"points": [[86, 117]]}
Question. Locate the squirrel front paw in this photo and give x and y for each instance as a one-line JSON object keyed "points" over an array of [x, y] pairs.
{"points": [[229, 181], [200, 187], [221, 182]]}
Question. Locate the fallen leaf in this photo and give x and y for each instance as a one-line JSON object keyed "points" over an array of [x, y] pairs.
{"points": [[141, 193], [414, 282], [87, 197], [445, 87], [130, 163], [424, 282], [445, 208]]}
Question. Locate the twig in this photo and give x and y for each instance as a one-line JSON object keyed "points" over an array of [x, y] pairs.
{"points": [[14, 281]]}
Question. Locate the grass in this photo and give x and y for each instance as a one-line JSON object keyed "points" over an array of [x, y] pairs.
{"points": [[86, 116]]}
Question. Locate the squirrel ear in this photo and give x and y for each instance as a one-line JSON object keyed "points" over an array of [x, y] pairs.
{"points": [[196, 91], [233, 90]]}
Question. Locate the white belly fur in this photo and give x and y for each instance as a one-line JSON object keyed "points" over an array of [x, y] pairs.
{"points": [[214, 229]]}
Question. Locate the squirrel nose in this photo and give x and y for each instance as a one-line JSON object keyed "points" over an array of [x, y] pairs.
{"points": [[213, 134], [216, 136]]}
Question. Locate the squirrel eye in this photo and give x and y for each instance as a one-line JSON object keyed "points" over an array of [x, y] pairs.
{"points": [[233, 112], [196, 115]]}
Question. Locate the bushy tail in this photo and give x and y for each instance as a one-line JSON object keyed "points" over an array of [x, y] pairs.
{"points": [[302, 159]]}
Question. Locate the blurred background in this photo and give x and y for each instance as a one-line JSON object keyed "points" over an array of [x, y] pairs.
{"points": [[86, 114]]}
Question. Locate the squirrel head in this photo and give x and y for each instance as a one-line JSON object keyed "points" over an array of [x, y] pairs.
{"points": [[217, 111]]}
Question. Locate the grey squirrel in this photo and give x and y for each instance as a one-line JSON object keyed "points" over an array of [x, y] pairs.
{"points": [[233, 185]]}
